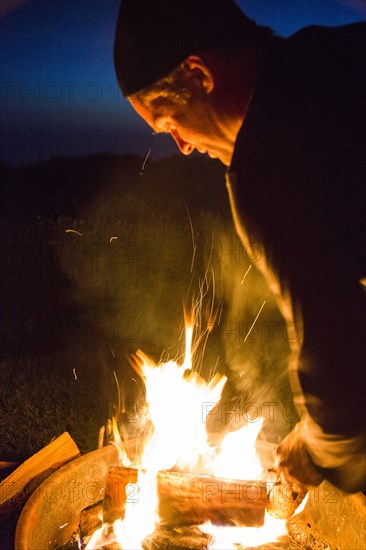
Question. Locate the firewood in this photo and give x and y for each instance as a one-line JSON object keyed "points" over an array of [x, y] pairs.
{"points": [[182, 538], [115, 497], [91, 519], [186, 499], [19, 485]]}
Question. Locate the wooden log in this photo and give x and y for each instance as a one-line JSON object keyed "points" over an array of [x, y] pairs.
{"points": [[186, 499], [182, 538], [115, 496], [19, 485], [284, 498], [91, 519]]}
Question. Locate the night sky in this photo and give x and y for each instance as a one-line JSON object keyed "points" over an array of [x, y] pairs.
{"points": [[59, 95]]}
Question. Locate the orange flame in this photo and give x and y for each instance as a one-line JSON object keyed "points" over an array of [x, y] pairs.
{"points": [[176, 406]]}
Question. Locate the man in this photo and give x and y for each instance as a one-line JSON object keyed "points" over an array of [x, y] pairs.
{"points": [[287, 117]]}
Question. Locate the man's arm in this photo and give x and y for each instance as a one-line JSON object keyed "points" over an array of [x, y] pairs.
{"points": [[317, 292]]}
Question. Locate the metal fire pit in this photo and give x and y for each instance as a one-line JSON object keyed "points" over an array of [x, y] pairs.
{"points": [[51, 514]]}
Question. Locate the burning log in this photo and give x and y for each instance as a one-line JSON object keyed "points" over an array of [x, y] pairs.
{"points": [[21, 483], [186, 499], [115, 496], [90, 521], [182, 538]]}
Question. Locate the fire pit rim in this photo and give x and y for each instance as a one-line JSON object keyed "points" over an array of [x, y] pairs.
{"points": [[43, 522]]}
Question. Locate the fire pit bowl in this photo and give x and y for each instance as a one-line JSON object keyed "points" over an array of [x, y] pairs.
{"points": [[51, 514]]}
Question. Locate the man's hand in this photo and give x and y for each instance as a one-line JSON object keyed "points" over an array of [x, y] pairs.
{"points": [[294, 462], [296, 474]]}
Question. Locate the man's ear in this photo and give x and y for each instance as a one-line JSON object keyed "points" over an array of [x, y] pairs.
{"points": [[198, 71]]}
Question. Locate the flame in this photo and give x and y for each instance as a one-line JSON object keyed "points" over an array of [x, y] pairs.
{"points": [[140, 516], [176, 397], [123, 457], [188, 322], [301, 506], [238, 458], [177, 400], [229, 538]]}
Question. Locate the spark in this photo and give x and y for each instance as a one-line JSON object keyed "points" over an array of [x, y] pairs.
{"points": [[210, 313], [73, 231], [194, 246], [74, 371], [246, 273], [194, 254], [112, 239], [214, 369], [135, 381], [119, 393], [64, 525], [4, 465], [255, 320], [143, 164]]}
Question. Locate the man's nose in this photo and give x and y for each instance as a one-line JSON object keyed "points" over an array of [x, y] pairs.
{"points": [[184, 147]]}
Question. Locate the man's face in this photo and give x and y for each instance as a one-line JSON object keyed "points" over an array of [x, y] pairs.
{"points": [[194, 125]]}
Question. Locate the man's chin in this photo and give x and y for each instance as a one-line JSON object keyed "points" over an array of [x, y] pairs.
{"points": [[225, 162], [214, 155]]}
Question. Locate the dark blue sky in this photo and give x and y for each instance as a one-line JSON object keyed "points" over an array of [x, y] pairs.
{"points": [[58, 90]]}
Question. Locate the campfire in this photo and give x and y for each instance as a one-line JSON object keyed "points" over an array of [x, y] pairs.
{"points": [[180, 480], [179, 491]]}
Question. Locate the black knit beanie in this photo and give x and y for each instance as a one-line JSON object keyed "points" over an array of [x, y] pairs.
{"points": [[154, 36]]}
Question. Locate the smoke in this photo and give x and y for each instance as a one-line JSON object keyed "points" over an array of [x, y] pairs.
{"points": [[142, 253], [253, 336]]}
